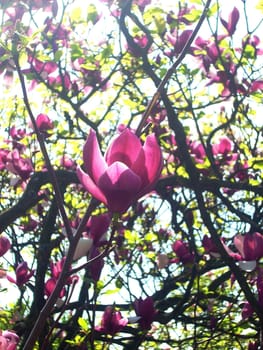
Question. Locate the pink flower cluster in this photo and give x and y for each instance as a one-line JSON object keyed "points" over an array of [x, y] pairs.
{"points": [[224, 158]]}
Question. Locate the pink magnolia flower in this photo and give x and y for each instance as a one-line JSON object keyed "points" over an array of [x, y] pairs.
{"points": [[183, 253], [211, 248], [56, 269], [44, 123], [4, 245], [247, 309], [94, 236], [178, 41], [97, 265], [23, 274], [127, 172], [223, 147], [3, 158], [50, 286], [8, 340], [67, 162], [17, 134], [97, 227], [42, 68], [144, 308], [198, 151], [250, 245], [231, 24], [19, 165], [112, 321]]}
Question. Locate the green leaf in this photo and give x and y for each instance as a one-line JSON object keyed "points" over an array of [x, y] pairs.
{"points": [[83, 324], [92, 13]]}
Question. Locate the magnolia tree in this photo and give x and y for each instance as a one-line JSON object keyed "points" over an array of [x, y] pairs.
{"points": [[131, 174]]}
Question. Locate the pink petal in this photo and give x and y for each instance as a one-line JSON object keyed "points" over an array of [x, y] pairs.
{"points": [[120, 186], [90, 186], [124, 148], [3, 343], [239, 243], [94, 162], [50, 285], [232, 21], [256, 85], [253, 246], [233, 18], [149, 165]]}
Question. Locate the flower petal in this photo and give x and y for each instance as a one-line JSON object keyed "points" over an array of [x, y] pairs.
{"points": [[239, 243], [253, 246], [90, 186], [149, 166], [124, 148], [94, 162], [120, 186]]}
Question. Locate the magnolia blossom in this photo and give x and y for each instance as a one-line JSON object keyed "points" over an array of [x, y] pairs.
{"points": [[8, 340], [144, 308], [94, 235], [4, 245], [112, 321], [44, 123], [56, 269], [127, 172], [23, 274], [250, 247], [184, 255], [231, 24]]}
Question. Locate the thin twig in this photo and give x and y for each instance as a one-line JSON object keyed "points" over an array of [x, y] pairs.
{"points": [[42, 145], [171, 70]]}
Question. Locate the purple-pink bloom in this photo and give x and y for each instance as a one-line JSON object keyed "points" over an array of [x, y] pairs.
{"points": [[56, 269], [17, 134], [144, 308], [96, 266], [247, 309], [97, 226], [250, 245], [112, 321], [8, 340], [50, 286], [44, 123], [23, 274], [127, 172], [179, 41], [211, 248], [4, 245], [223, 147], [232, 21], [3, 158], [198, 151], [19, 165], [183, 253]]}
